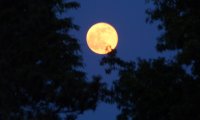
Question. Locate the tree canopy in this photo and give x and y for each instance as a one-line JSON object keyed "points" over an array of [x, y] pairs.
{"points": [[41, 73], [160, 88]]}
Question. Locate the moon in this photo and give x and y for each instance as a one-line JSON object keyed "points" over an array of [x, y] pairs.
{"points": [[102, 38]]}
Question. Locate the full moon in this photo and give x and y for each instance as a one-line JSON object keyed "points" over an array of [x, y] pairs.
{"points": [[102, 38]]}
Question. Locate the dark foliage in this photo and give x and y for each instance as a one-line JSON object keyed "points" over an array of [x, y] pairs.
{"points": [[180, 20], [40, 63], [161, 89]]}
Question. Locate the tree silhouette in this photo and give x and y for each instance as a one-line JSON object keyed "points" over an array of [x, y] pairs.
{"points": [[161, 89], [181, 22], [41, 73]]}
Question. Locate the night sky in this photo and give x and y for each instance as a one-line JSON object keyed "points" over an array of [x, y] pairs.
{"points": [[137, 39]]}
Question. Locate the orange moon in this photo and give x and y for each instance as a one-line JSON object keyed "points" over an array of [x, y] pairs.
{"points": [[102, 38]]}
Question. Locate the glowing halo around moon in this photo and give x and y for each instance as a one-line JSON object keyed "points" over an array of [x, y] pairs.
{"points": [[102, 38]]}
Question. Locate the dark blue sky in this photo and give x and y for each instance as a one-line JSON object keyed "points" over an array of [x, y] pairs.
{"points": [[136, 39]]}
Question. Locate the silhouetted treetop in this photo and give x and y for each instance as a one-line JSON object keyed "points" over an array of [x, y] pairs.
{"points": [[162, 89], [41, 72], [180, 21]]}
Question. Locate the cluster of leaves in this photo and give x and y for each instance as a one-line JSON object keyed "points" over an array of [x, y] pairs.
{"points": [[40, 63], [160, 89]]}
